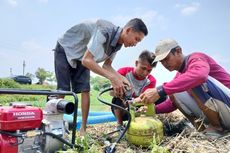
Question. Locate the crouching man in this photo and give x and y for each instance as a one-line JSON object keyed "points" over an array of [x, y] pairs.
{"points": [[200, 89]]}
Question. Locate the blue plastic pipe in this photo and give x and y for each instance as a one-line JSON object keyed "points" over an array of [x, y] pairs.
{"points": [[95, 113], [91, 119]]}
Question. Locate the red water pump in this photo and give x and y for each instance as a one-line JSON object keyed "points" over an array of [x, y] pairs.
{"points": [[28, 129], [17, 123]]}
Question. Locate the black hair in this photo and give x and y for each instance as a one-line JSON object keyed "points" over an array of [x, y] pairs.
{"points": [[175, 49], [137, 25], [148, 56]]}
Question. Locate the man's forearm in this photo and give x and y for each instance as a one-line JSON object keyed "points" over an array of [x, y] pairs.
{"points": [[165, 107], [111, 70], [94, 67]]}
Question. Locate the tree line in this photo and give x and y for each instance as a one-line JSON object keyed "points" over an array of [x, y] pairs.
{"points": [[98, 83], [42, 75]]}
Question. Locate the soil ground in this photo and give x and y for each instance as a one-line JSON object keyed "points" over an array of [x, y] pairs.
{"points": [[188, 141]]}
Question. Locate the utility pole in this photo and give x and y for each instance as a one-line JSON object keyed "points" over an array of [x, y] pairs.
{"points": [[24, 65], [11, 72]]}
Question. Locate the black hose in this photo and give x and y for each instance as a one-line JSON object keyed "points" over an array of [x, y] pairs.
{"points": [[14, 135], [11, 134], [61, 139], [45, 133], [119, 107]]}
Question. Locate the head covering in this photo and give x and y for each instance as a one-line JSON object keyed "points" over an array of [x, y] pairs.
{"points": [[163, 48]]}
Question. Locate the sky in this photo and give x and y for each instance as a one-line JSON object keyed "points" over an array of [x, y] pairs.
{"points": [[29, 29]]}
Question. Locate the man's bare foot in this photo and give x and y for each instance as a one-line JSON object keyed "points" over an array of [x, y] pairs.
{"points": [[212, 133], [82, 131], [213, 128]]}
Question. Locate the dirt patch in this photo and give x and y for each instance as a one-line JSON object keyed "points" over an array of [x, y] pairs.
{"points": [[188, 141]]}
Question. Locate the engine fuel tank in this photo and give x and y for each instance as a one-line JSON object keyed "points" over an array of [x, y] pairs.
{"points": [[20, 117]]}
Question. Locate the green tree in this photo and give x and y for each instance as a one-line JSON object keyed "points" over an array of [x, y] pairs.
{"points": [[30, 75], [98, 83], [41, 74], [51, 77]]}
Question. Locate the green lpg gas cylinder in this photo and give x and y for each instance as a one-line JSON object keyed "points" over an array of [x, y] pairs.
{"points": [[145, 128]]}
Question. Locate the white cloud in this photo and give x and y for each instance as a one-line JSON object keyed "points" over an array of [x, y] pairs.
{"points": [[150, 17], [34, 54], [15, 3], [44, 1], [12, 3], [31, 45], [37, 55], [221, 59], [189, 9]]}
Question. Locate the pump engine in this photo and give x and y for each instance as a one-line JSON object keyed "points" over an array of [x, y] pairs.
{"points": [[27, 129]]}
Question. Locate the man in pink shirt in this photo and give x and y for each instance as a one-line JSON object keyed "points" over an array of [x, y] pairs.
{"points": [[200, 89]]}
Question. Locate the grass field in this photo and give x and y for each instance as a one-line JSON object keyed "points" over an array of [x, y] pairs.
{"points": [[40, 100], [95, 104]]}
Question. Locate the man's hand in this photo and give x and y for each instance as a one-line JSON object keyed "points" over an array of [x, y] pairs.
{"points": [[126, 82], [149, 96], [118, 86], [137, 100]]}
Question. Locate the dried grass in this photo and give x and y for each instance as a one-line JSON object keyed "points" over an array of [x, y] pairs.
{"points": [[188, 141]]}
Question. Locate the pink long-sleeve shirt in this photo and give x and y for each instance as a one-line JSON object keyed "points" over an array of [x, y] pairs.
{"points": [[197, 68]]}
